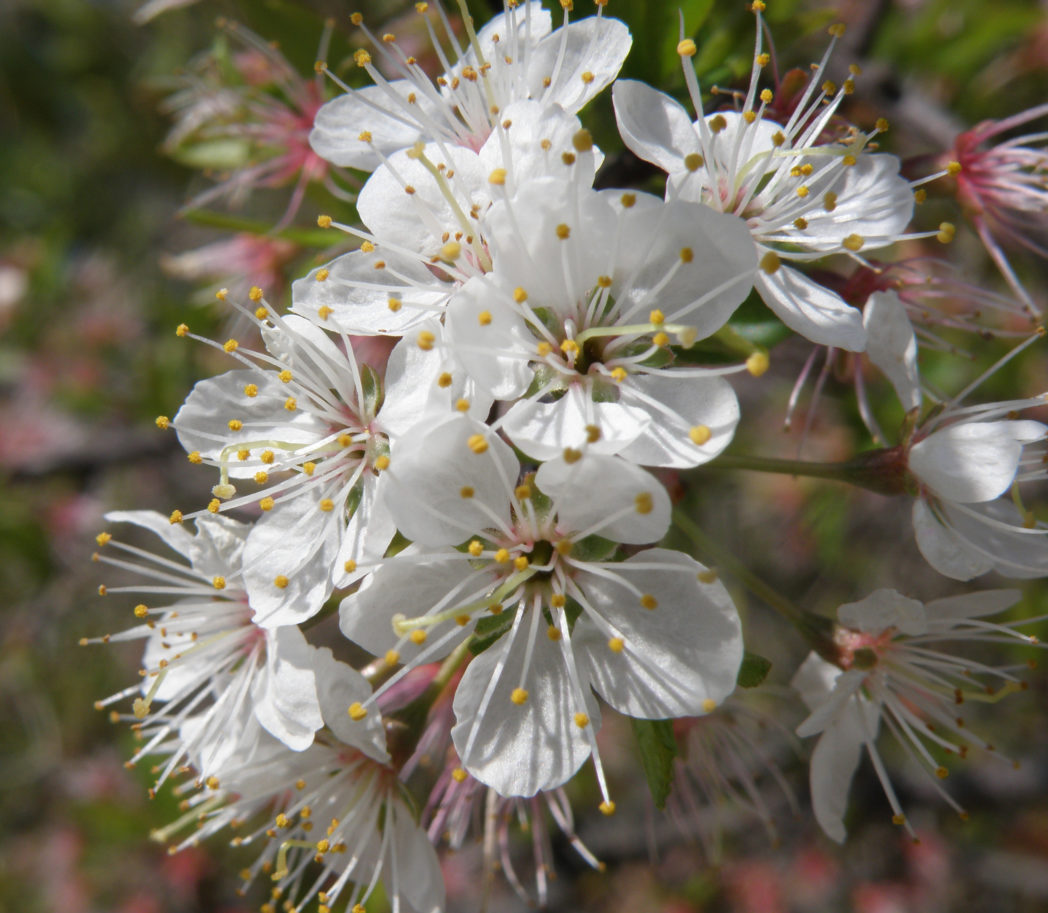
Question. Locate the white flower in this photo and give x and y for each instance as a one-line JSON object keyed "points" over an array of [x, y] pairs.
{"points": [[515, 57], [965, 462], [655, 635], [422, 209], [308, 427], [205, 657], [574, 321], [803, 197], [891, 671]]}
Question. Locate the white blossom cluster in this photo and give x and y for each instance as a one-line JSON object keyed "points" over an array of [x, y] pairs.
{"points": [[477, 497]]}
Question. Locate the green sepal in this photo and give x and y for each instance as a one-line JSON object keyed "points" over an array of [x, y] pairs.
{"points": [[489, 629], [753, 671], [658, 747]]}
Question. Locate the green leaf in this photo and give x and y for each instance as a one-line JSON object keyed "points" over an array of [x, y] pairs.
{"points": [[658, 747], [316, 237], [753, 671], [489, 629]]}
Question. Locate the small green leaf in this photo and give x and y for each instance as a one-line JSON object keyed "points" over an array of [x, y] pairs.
{"points": [[658, 747], [753, 671], [489, 629]]}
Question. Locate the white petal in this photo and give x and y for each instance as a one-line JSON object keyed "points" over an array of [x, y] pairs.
{"points": [[298, 540], [419, 880], [814, 680], [358, 295], [174, 535], [340, 122], [519, 749], [367, 533], [884, 609], [338, 687], [944, 613], [677, 656], [684, 404], [654, 126], [892, 346], [833, 764], [606, 496], [285, 694], [812, 310], [579, 60], [442, 490], [943, 549], [972, 461]]}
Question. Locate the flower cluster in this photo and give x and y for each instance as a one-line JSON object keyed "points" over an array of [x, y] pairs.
{"points": [[478, 502]]}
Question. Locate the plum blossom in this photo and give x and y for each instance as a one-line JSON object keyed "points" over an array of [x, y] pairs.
{"points": [[890, 670], [205, 657], [517, 56], [802, 197], [573, 324], [655, 635]]}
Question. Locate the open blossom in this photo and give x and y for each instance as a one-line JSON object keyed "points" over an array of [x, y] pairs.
{"points": [[802, 197], [573, 324], [423, 212], [655, 635], [891, 670], [205, 657], [336, 822], [969, 465], [514, 57], [1003, 187], [308, 428]]}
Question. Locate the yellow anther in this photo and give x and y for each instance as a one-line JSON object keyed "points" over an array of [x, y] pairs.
{"points": [[558, 600], [141, 610], [749, 116], [829, 87], [451, 251], [767, 96], [261, 477], [592, 434], [425, 340], [953, 168], [462, 620], [699, 434], [523, 492], [571, 455], [607, 807], [476, 548], [519, 696], [605, 281], [181, 330], [553, 633], [326, 505], [718, 123], [803, 191], [563, 231], [394, 304], [484, 318], [281, 582], [618, 374], [222, 294], [322, 274], [266, 503], [643, 503], [392, 657], [778, 138], [497, 177], [519, 295], [543, 349], [661, 340], [176, 517], [763, 59], [800, 223], [758, 6], [898, 820], [946, 233], [255, 294], [570, 347], [344, 439], [616, 644], [564, 547], [349, 566], [466, 491], [219, 583], [458, 775], [837, 29], [628, 200], [649, 602], [942, 773], [366, 247], [444, 380], [478, 443], [758, 363], [267, 456], [462, 405], [291, 404], [361, 58], [251, 390], [849, 160], [418, 636], [235, 424], [285, 376], [581, 720], [709, 705], [381, 463], [521, 562], [324, 221], [687, 255], [357, 711], [686, 48], [829, 201], [102, 591], [853, 242], [163, 422], [582, 141]]}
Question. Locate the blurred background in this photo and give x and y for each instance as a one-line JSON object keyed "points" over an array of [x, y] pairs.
{"points": [[146, 153]]}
